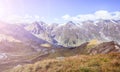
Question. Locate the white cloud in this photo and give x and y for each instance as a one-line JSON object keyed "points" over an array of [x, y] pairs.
{"points": [[116, 15], [27, 16], [85, 17], [66, 17], [101, 14], [19, 19], [37, 17], [56, 19]]}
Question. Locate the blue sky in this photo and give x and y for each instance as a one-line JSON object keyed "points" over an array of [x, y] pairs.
{"points": [[53, 10]]}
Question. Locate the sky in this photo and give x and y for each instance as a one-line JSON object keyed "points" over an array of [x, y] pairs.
{"points": [[59, 11]]}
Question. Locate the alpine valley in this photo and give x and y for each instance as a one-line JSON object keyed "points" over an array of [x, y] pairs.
{"points": [[87, 46]]}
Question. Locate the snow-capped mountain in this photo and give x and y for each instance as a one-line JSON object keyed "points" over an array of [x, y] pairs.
{"points": [[21, 44], [73, 34]]}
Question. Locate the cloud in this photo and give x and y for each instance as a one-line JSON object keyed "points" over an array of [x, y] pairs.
{"points": [[116, 15], [25, 19], [56, 19], [66, 17], [101, 14]]}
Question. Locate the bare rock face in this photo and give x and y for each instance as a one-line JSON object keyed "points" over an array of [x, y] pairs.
{"points": [[40, 30], [67, 35], [105, 47], [74, 34]]}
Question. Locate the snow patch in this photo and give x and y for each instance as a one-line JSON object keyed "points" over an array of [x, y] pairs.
{"points": [[3, 56]]}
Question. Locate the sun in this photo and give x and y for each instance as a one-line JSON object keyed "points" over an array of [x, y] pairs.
{"points": [[5, 7]]}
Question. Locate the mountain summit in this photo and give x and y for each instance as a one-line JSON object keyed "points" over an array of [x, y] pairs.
{"points": [[73, 34]]}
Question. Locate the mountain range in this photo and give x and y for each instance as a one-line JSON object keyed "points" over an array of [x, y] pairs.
{"points": [[73, 34], [28, 43]]}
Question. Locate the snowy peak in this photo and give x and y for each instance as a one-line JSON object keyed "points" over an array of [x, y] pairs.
{"points": [[36, 27], [70, 22], [74, 34]]}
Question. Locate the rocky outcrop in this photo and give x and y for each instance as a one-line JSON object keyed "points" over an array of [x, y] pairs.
{"points": [[105, 47]]}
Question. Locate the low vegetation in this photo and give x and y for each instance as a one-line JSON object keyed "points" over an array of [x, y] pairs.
{"points": [[93, 43], [79, 63]]}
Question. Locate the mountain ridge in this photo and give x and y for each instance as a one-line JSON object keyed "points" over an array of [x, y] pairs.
{"points": [[73, 34]]}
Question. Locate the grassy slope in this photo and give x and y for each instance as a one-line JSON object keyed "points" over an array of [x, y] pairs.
{"points": [[80, 63]]}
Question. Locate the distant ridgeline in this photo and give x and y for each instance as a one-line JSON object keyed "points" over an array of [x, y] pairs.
{"points": [[74, 34]]}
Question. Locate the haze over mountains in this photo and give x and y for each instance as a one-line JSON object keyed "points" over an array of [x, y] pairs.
{"points": [[67, 35], [59, 35], [28, 43]]}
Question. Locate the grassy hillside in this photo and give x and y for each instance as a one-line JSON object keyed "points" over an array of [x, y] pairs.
{"points": [[80, 63]]}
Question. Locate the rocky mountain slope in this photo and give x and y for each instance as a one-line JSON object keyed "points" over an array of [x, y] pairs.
{"points": [[73, 34], [17, 34], [17, 44], [105, 47], [25, 44]]}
